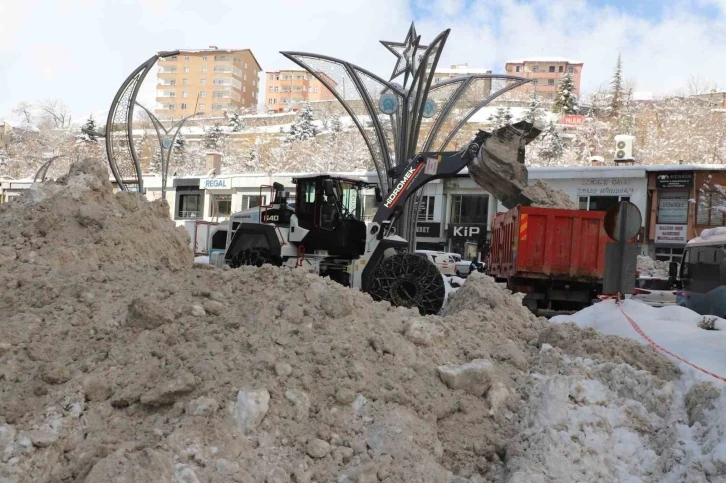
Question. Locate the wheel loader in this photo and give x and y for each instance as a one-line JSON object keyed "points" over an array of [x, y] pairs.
{"points": [[324, 233]]}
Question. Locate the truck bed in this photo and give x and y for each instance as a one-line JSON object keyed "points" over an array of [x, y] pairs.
{"points": [[548, 243]]}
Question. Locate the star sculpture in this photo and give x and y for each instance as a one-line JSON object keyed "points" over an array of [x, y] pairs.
{"points": [[408, 52]]}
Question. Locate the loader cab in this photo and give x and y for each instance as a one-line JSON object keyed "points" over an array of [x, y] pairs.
{"points": [[331, 208]]}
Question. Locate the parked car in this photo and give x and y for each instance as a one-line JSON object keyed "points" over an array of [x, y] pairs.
{"points": [[656, 292], [462, 268], [442, 260]]}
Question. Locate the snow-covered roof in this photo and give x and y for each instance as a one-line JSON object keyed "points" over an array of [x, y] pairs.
{"points": [[19, 125], [643, 96], [719, 238], [544, 59], [462, 70], [200, 51]]}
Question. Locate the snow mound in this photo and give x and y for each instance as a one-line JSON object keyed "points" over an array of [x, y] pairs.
{"points": [[652, 268], [140, 369]]}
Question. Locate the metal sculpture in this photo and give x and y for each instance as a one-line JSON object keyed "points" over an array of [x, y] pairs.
{"points": [[42, 173], [120, 148], [396, 112], [166, 143]]}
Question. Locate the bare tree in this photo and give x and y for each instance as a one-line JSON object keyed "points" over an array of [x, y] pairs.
{"points": [[55, 112], [24, 111], [696, 85]]}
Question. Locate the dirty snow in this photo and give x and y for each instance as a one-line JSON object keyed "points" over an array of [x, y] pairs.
{"points": [[123, 360]]}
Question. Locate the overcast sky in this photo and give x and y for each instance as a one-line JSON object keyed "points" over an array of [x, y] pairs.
{"points": [[80, 51]]}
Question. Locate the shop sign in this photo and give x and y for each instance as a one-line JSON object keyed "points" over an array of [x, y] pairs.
{"points": [[673, 208], [671, 234], [605, 187], [215, 183], [573, 120], [471, 231], [428, 230], [674, 180]]}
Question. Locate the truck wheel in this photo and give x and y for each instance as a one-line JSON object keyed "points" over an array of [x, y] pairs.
{"points": [[255, 257], [407, 280]]}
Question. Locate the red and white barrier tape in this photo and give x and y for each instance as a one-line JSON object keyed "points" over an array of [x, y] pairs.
{"points": [[637, 329]]}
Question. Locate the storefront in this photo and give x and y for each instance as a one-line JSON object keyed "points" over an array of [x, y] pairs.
{"points": [[670, 193], [468, 239], [217, 197]]}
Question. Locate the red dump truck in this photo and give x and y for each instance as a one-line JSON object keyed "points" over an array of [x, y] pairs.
{"points": [[556, 257]]}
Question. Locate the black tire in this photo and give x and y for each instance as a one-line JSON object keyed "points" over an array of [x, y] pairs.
{"points": [[254, 257], [408, 280]]}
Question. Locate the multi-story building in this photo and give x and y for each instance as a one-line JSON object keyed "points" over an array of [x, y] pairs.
{"points": [[457, 70], [547, 73], [286, 88], [209, 82]]}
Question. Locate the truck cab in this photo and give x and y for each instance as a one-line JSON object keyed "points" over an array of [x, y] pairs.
{"points": [[703, 274]]}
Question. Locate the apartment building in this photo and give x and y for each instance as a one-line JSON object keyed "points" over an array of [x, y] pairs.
{"points": [[285, 88], [211, 81], [547, 73]]}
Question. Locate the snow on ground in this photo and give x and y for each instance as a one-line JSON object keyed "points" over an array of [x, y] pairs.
{"points": [[674, 328], [201, 259], [611, 422]]}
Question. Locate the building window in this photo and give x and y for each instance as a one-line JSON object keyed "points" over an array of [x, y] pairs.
{"points": [[550, 82], [253, 201], [426, 208], [204, 58], [535, 81], [287, 77], [223, 204], [673, 207], [535, 68], [202, 93], [277, 88], [171, 107], [272, 77], [186, 69], [186, 57], [183, 106], [272, 100], [185, 94], [244, 88], [518, 68], [711, 207], [552, 68], [189, 205], [201, 107], [315, 89], [185, 82], [370, 206], [469, 209], [667, 254], [571, 69], [562, 68], [245, 65], [599, 203], [271, 89], [203, 82], [204, 70], [244, 77]]}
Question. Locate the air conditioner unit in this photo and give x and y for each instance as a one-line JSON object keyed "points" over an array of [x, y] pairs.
{"points": [[623, 148]]}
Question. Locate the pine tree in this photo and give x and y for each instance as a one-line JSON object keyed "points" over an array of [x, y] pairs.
{"points": [[501, 117], [236, 122], [551, 146], [180, 143], [535, 113], [566, 102], [215, 137], [88, 131], [616, 88], [303, 129], [336, 125]]}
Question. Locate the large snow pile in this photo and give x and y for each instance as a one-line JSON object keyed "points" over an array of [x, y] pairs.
{"points": [[545, 196], [135, 369], [652, 268]]}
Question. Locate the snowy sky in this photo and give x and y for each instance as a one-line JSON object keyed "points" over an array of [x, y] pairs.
{"points": [[82, 50]]}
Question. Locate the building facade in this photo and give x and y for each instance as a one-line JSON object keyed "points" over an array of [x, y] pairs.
{"points": [[287, 88], [547, 73], [210, 82]]}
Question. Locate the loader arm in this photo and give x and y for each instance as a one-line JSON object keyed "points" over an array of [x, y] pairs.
{"points": [[496, 162]]}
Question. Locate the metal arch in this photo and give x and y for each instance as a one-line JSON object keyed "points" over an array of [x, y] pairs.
{"points": [[465, 83], [351, 69], [422, 92], [42, 173], [483, 103], [132, 82]]}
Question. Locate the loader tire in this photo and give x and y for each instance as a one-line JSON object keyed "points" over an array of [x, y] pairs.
{"points": [[253, 257], [407, 280]]}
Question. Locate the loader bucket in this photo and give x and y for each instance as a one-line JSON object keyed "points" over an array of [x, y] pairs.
{"points": [[498, 165]]}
